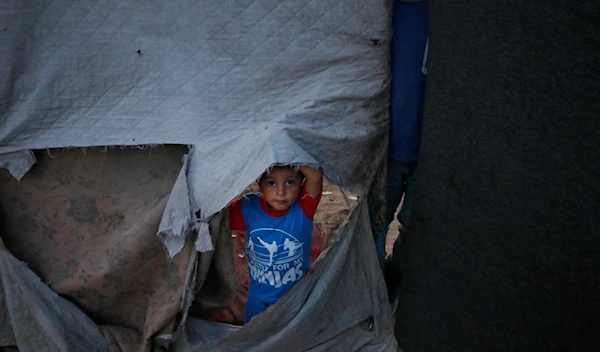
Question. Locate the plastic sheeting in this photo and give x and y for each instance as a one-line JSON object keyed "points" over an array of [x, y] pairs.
{"points": [[35, 318], [247, 83]]}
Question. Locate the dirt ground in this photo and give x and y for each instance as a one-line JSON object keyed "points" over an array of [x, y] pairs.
{"points": [[334, 209]]}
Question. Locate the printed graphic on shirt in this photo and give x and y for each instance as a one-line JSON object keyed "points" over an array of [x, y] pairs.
{"points": [[274, 263]]}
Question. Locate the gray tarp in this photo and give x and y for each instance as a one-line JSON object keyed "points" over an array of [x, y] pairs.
{"points": [[247, 83], [35, 318]]}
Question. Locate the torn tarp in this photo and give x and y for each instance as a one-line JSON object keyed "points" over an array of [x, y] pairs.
{"points": [[17, 163], [247, 83], [86, 224], [177, 222], [35, 318]]}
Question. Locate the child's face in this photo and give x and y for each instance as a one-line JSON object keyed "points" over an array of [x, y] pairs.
{"points": [[281, 188]]}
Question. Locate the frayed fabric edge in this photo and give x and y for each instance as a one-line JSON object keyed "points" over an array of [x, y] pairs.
{"points": [[174, 238]]}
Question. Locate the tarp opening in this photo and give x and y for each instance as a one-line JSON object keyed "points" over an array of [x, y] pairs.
{"points": [[86, 224]]}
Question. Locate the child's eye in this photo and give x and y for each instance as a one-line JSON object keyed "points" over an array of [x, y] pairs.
{"points": [[290, 182], [270, 183]]}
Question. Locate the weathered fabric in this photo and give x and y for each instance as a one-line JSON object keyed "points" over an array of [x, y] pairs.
{"points": [[248, 83], [244, 83], [86, 223], [35, 318]]}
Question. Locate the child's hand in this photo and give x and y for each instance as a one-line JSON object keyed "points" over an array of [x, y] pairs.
{"points": [[314, 180]]}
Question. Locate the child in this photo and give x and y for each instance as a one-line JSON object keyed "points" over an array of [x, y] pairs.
{"points": [[279, 223]]}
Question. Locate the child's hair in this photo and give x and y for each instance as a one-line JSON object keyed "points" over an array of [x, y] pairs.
{"points": [[297, 171]]}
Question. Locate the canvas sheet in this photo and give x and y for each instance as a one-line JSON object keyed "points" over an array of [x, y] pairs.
{"points": [[248, 82]]}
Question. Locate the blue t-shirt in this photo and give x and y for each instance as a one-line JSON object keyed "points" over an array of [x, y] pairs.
{"points": [[411, 29], [278, 248]]}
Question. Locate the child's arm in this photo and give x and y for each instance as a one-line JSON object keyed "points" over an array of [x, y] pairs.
{"points": [[314, 180]]}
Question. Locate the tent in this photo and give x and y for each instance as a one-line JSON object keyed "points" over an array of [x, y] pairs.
{"points": [[184, 104]]}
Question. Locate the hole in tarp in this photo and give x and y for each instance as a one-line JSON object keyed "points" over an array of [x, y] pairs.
{"points": [[376, 42], [333, 210], [85, 221]]}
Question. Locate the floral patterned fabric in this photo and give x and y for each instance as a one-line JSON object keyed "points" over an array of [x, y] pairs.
{"points": [[86, 223]]}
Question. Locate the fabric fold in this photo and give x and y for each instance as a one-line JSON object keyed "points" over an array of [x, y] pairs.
{"points": [[177, 221], [17, 163], [45, 321]]}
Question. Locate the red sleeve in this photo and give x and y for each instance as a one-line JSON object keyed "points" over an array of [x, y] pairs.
{"points": [[308, 203], [236, 219]]}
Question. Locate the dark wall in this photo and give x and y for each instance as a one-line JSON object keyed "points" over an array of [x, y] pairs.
{"points": [[505, 249]]}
